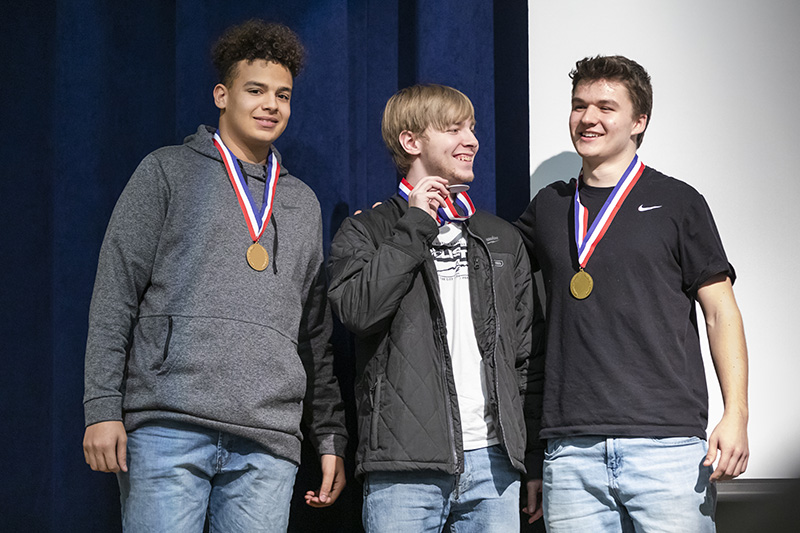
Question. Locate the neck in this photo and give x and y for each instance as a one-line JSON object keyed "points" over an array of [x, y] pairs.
{"points": [[605, 173], [256, 155], [414, 174]]}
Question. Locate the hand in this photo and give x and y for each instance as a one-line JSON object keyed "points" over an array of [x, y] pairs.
{"points": [[333, 481], [730, 437], [358, 211], [534, 507], [429, 194], [105, 446]]}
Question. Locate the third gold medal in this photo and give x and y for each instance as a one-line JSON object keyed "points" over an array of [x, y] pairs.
{"points": [[582, 284]]}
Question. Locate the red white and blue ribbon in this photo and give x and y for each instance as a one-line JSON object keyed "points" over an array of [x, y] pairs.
{"points": [[448, 213], [587, 239], [256, 219]]}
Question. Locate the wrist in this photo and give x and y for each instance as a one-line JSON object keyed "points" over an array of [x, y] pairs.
{"points": [[739, 412]]}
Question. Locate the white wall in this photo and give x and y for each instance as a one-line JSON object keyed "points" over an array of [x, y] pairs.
{"points": [[726, 119]]}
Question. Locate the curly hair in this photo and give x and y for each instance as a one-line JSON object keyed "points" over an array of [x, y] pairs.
{"points": [[257, 39], [623, 70]]}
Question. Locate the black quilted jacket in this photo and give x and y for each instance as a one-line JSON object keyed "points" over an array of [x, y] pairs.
{"points": [[384, 288]]}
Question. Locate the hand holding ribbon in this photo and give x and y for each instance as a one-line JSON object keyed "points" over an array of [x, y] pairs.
{"points": [[432, 196], [428, 194]]}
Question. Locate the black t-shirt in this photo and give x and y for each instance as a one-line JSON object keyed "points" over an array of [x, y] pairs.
{"points": [[626, 360]]}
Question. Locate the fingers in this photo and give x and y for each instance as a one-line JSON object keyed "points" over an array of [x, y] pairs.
{"points": [[712, 451], [105, 446], [333, 481], [733, 458], [326, 486], [429, 194], [358, 211], [122, 453], [534, 506], [730, 466], [721, 469], [339, 480]]}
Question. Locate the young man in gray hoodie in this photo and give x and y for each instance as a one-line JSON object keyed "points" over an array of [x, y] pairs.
{"points": [[209, 324]]}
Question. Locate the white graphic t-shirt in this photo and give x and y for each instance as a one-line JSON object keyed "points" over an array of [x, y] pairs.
{"points": [[449, 251]]}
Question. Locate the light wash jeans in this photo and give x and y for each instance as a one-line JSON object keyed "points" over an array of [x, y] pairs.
{"points": [[177, 472], [595, 484], [484, 500]]}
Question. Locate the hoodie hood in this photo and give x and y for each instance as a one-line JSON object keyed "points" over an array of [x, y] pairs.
{"points": [[202, 142]]}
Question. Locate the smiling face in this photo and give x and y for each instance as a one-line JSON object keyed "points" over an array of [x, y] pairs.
{"points": [[603, 124], [447, 153], [254, 108]]}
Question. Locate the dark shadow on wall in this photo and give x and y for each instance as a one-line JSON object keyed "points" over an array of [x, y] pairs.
{"points": [[561, 167]]}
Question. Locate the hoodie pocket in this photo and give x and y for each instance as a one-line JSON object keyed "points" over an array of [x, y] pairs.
{"points": [[217, 369], [166, 345]]}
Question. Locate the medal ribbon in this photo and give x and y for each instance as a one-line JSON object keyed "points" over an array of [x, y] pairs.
{"points": [[587, 239], [256, 219], [448, 213]]}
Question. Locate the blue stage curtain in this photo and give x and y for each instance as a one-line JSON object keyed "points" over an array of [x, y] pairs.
{"points": [[92, 86]]}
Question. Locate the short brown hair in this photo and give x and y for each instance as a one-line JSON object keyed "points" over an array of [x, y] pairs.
{"points": [[416, 108], [623, 70], [257, 39]]}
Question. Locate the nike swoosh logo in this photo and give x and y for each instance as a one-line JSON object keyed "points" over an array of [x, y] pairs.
{"points": [[642, 208]]}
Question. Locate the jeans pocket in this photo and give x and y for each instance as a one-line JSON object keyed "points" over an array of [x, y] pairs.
{"points": [[674, 442], [554, 447]]}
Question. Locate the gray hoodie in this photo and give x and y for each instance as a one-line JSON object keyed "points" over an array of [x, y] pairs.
{"points": [[181, 328]]}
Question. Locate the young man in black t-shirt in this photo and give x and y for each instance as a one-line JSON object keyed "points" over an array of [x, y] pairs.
{"points": [[625, 252]]}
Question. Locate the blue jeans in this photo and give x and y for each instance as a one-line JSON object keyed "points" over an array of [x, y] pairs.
{"points": [[177, 472], [484, 499], [595, 484]]}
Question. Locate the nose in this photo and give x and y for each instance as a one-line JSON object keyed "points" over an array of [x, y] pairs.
{"points": [[270, 101], [469, 139], [590, 115]]}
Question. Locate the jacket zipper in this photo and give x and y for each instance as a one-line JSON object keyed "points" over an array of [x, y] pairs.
{"points": [[495, 383], [375, 396], [457, 460]]}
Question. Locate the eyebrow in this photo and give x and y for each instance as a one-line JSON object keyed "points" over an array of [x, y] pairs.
{"points": [[260, 85], [599, 102]]}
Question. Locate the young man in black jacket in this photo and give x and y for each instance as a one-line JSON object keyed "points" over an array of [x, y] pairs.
{"points": [[448, 332]]}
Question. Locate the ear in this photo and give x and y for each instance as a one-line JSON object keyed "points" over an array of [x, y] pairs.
{"points": [[220, 96], [640, 125], [410, 142]]}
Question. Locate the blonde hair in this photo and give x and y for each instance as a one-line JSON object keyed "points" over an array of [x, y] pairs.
{"points": [[416, 108]]}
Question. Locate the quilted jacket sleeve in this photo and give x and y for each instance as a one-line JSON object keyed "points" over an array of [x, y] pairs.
{"points": [[530, 360], [372, 265], [323, 410]]}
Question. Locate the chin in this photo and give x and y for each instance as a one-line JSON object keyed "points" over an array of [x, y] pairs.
{"points": [[461, 178]]}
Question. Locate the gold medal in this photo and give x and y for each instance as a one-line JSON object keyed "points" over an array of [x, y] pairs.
{"points": [[257, 257], [581, 285]]}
